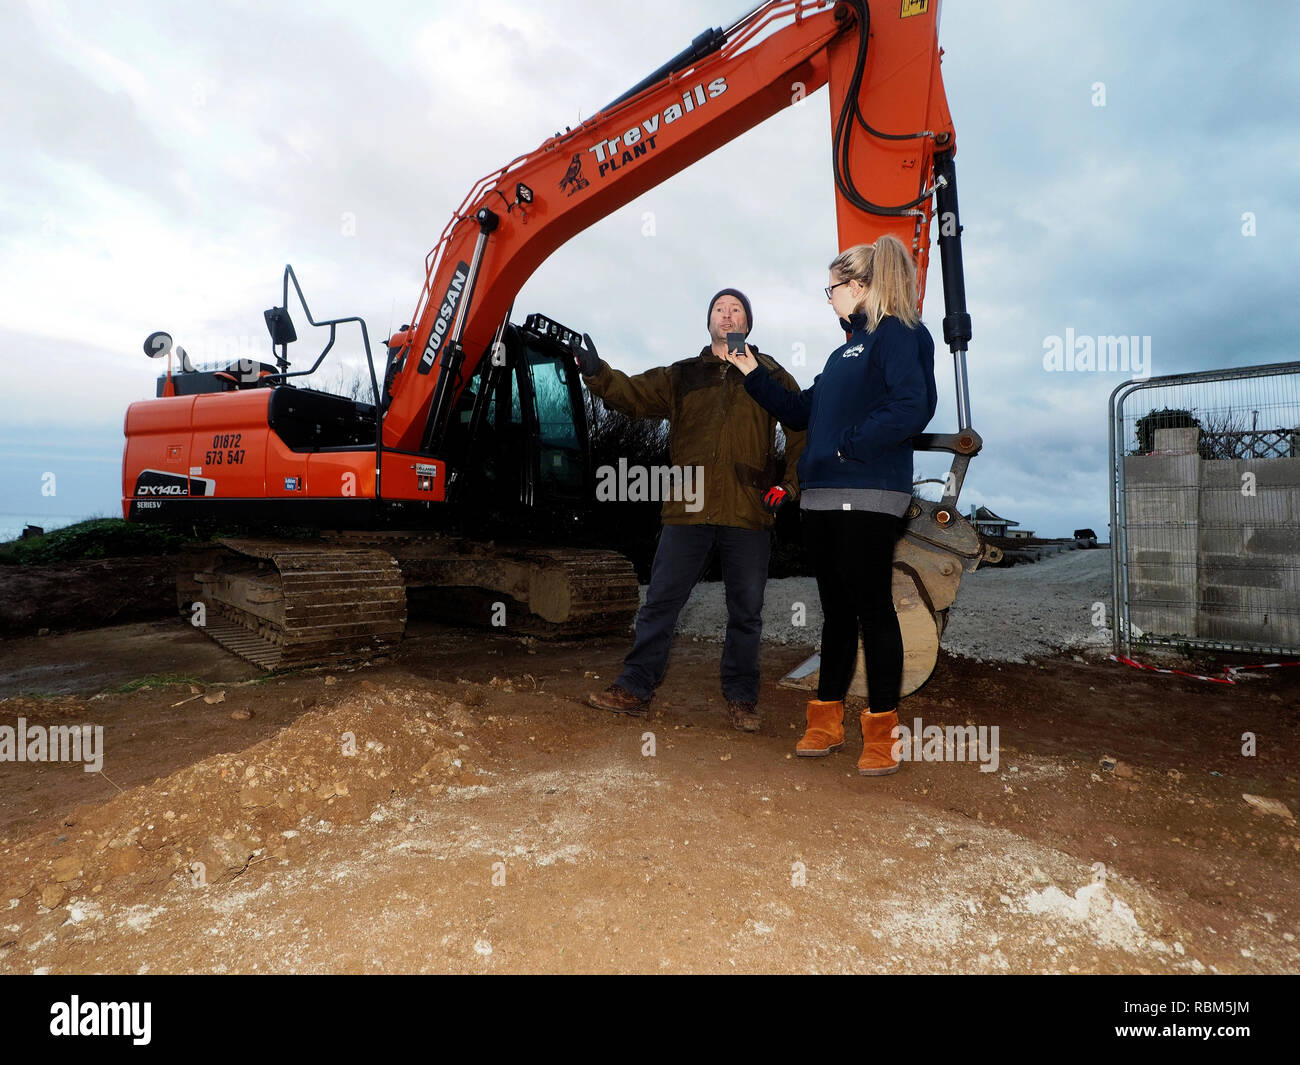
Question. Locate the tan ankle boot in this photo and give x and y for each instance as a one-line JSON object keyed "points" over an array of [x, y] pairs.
{"points": [[878, 741], [825, 731]]}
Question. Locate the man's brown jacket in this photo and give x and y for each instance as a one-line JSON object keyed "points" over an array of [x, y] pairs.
{"points": [[713, 424]]}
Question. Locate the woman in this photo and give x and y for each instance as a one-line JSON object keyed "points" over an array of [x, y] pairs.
{"points": [[875, 393]]}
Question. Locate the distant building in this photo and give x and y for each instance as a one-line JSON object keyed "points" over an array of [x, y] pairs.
{"points": [[989, 524], [1020, 534]]}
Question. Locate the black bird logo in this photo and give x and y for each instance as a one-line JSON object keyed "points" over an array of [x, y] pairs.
{"points": [[573, 176]]}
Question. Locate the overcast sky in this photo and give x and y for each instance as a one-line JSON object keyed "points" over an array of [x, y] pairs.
{"points": [[163, 161]]}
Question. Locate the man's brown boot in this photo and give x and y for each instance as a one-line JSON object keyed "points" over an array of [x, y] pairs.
{"points": [[743, 715], [825, 731], [620, 701], [878, 744]]}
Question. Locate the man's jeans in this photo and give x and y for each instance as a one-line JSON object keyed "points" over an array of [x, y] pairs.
{"points": [[681, 559]]}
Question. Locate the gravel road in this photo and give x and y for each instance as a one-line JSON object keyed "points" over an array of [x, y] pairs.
{"points": [[1001, 615]]}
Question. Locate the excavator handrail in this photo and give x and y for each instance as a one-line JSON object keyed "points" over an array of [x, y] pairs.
{"points": [[333, 324]]}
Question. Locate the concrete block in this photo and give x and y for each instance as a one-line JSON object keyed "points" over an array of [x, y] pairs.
{"points": [[1271, 601], [1162, 535], [1276, 473], [1228, 626], [1284, 542], [1268, 506], [1163, 607], [1223, 596], [1238, 572], [1164, 547], [1271, 627], [1159, 620], [1227, 506], [1220, 540], [1276, 506], [1161, 506], [1163, 619], [1163, 471], [1223, 473], [1176, 593], [1289, 578], [1181, 441]]}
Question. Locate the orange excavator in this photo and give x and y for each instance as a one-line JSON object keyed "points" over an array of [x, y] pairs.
{"points": [[475, 413]]}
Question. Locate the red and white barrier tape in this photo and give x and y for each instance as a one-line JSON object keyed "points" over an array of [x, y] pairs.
{"points": [[1268, 665], [1175, 672], [1231, 671]]}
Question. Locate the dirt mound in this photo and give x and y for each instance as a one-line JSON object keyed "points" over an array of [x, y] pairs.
{"points": [[1113, 836], [211, 821], [84, 595]]}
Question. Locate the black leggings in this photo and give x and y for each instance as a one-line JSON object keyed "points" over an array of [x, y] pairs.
{"points": [[852, 554]]}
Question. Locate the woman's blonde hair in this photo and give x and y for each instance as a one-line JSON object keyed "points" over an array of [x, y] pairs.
{"points": [[889, 274]]}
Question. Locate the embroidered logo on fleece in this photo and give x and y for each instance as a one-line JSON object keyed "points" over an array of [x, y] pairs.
{"points": [[853, 352]]}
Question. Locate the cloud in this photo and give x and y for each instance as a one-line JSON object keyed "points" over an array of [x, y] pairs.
{"points": [[164, 162]]}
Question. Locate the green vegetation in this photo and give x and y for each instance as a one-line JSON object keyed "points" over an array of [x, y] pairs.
{"points": [[115, 538], [155, 680], [97, 538]]}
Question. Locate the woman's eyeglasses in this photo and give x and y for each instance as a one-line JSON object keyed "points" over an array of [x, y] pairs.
{"points": [[833, 287]]}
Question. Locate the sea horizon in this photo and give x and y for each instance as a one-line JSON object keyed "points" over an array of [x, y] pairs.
{"points": [[12, 525]]}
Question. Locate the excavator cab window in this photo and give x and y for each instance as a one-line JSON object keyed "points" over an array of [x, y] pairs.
{"points": [[560, 450], [487, 437], [521, 441]]}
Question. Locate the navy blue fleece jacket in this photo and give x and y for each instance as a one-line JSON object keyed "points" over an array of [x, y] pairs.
{"points": [[875, 393]]}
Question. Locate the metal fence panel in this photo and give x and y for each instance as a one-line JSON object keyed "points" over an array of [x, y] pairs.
{"points": [[1205, 509]]}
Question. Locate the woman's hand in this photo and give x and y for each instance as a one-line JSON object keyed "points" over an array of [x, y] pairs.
{"points": [[743, 361]]}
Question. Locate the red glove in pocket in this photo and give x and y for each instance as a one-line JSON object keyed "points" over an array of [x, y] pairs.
{"points": [[776, 495]]}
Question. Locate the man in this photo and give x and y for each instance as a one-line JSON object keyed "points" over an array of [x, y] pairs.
{"points": [[715, 427]]}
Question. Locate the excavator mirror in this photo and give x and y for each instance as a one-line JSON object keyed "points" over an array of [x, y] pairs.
{"points": [[280, 325]]}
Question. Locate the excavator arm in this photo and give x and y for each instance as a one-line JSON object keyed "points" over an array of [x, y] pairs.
{"points": [[890, 128]]}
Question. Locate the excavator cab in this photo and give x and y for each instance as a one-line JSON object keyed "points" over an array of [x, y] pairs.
{"points": [[518, 437]]}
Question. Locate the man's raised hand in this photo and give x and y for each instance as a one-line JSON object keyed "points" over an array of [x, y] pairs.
{"points": [[585, 356]]}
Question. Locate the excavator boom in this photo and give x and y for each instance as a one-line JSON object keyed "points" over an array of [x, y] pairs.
{"points": [[890, 118]]}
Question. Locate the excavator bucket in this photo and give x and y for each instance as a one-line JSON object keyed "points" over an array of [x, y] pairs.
{"points": [[926, 579]]}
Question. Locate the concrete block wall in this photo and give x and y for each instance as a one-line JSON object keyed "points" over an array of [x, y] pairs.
{"points": [[1248, 583], [1213, 553], [1162, 500]]}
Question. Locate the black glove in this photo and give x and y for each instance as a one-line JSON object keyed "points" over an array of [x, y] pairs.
{"points": [[586, 356]]}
